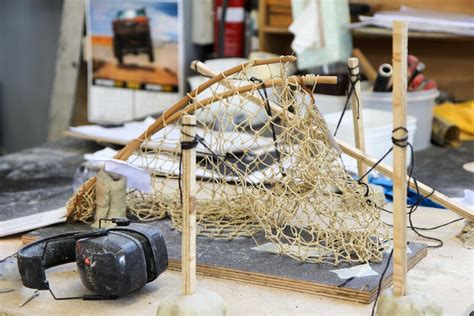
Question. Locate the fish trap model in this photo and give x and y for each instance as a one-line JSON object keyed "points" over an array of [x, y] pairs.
{"points": [[266, 162]]}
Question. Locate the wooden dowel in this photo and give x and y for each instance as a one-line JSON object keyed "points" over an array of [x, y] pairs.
{"points": [[188, 176], [357, 114], [400, 54], [367, 69], [424, 189], [201, 68]]}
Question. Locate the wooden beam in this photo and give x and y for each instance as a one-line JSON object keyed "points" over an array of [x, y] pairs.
{"points": [[188, 249], [357, 113], [400, 54], [66, 72]]}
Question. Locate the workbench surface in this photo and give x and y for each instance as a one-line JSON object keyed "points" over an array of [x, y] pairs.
{"points": [[446, 275]]}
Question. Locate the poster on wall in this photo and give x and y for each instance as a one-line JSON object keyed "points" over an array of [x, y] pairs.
{"points": [[134, 58]]}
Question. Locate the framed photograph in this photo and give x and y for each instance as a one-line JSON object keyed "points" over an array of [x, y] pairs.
{"points": [[135, 56]]}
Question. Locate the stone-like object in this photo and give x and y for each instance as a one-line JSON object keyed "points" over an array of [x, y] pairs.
{"points": [[110, 192], [467, 235], [414, 303], [201, 303]]}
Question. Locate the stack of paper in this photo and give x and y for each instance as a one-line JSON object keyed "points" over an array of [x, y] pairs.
{"points": [[422, 20]]}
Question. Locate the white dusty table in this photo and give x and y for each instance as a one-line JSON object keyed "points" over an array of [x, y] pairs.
{"points": [[446, 274]]}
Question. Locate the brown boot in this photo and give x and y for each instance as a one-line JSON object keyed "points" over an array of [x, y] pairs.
{"points": [[110, 192]]}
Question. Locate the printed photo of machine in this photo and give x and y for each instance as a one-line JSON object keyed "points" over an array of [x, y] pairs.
{"points": [[131, 34]]}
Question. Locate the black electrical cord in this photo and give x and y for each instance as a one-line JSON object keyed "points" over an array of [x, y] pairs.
{"points": [[403, 142], [190, 145], [350, 91], [379, 287], [272, 127]]}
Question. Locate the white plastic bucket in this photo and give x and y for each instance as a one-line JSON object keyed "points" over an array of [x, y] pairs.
{"points": [[377, 130], [419, 104], [330, 103]]}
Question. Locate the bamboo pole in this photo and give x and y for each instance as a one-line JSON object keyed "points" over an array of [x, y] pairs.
{"points": [[357, 113], [369, 161], [400, 54], [188, 237]]}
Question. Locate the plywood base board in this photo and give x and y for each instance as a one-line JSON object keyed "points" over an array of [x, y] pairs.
{"points": [[236, 260]]}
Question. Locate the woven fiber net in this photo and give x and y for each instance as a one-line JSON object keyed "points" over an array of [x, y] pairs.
{"points": [[266, 162]]}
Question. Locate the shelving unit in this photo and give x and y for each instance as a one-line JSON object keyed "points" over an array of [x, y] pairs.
{"points": [[448, 57], [274, 19], [376, 32]]}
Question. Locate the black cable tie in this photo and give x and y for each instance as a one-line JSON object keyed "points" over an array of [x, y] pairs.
{"points": [[189, 144], [402, 141]]}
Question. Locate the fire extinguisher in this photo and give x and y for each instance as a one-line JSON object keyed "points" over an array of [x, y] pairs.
{"points": [[229, 28]]}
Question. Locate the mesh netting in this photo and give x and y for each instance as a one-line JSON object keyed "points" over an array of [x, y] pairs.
{"points": [[266, 162]]}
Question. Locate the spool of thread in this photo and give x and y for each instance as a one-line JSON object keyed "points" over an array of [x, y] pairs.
{"points": [[384, 76]]}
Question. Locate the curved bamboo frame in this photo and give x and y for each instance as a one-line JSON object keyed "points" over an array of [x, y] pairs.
{"points": [[181, 107], [173, 113]]}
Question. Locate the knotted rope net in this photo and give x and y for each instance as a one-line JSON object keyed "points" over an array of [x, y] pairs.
{"points": [[266, 162]]}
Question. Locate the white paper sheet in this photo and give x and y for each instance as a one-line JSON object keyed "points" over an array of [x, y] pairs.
{"points": [[359, 271], [137, 178], [422, 20], [467, 200], [272, 248], [101, 155], [169, 137], [390, 247], [29, 222], [166, 164]]}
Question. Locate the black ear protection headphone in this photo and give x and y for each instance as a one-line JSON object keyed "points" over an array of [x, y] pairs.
{"points": [[111, 262]]}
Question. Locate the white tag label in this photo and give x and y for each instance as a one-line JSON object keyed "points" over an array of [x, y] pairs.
{"points": [[363, 270]]}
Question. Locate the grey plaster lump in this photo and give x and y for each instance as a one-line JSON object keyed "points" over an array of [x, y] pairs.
{"points": [[39, 179], [412, 304]]}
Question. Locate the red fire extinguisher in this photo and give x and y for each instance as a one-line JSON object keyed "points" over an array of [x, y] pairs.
{"points": [[229, 28]]}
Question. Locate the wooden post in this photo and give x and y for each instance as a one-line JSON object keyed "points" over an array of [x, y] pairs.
{"points": [[66, 72], [356, 103], [188, 176], [400, 43]]}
